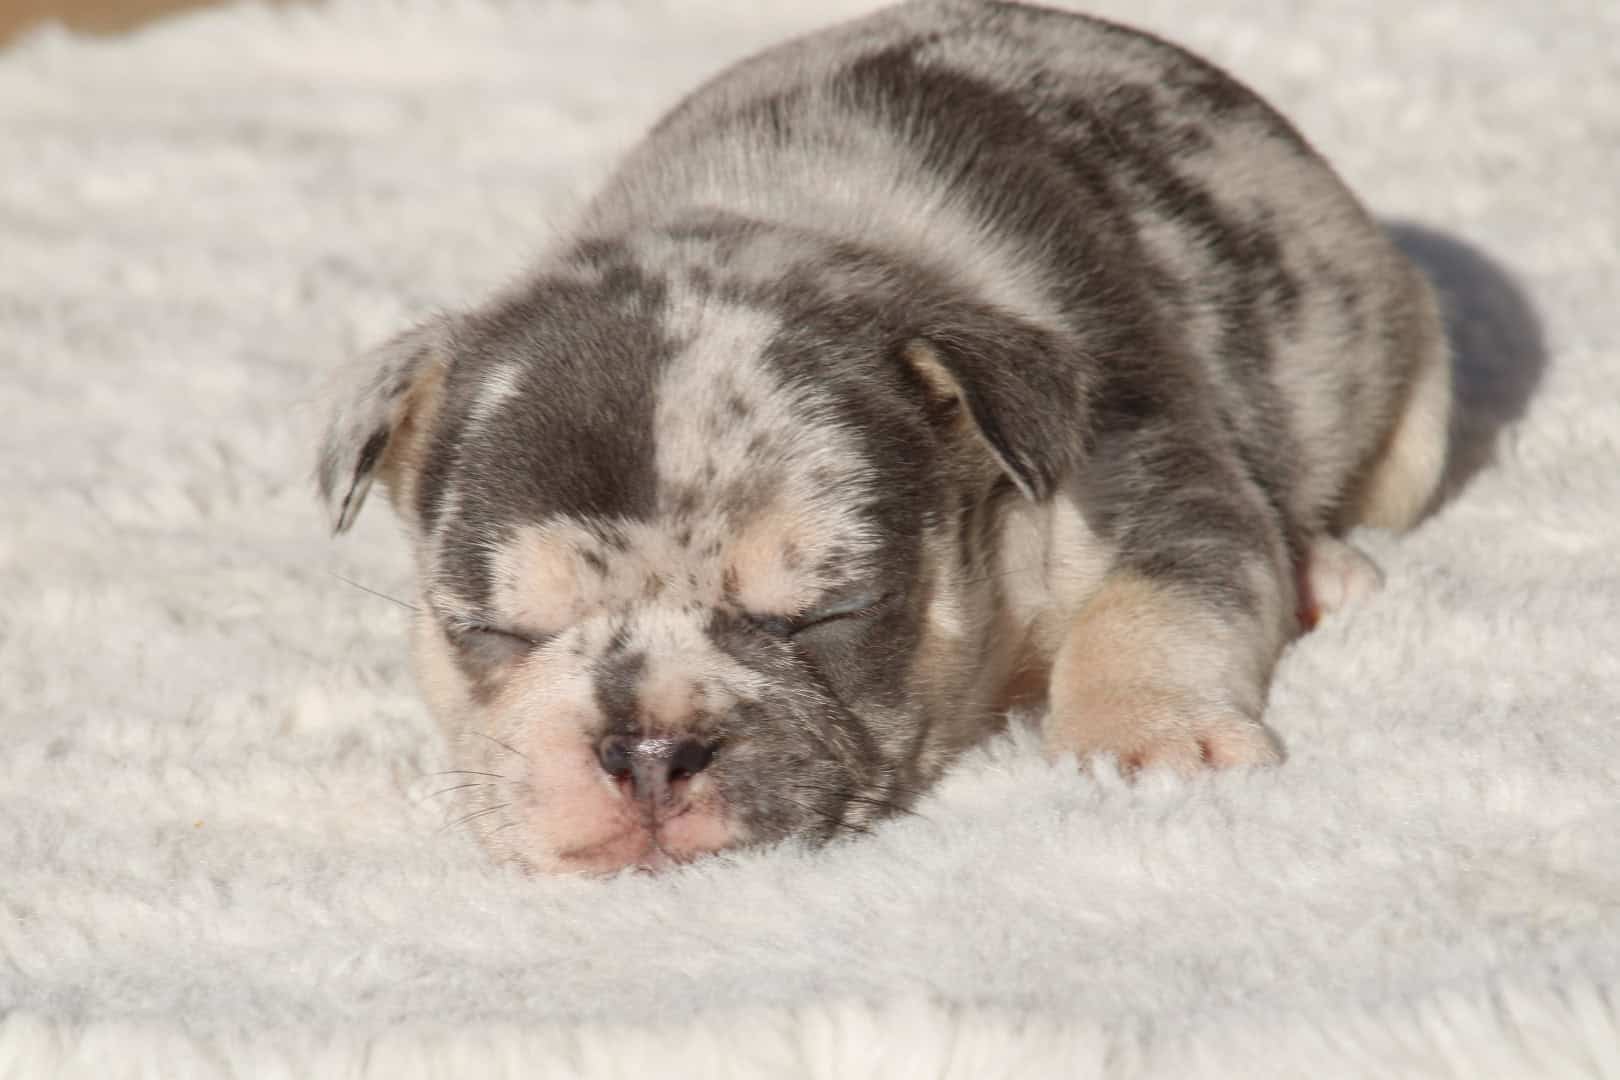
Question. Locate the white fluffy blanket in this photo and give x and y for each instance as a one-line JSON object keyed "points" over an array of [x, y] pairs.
{"points": [[220, 851]]}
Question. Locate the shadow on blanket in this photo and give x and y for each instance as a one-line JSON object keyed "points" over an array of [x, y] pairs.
{"points": [[1498, 354]]}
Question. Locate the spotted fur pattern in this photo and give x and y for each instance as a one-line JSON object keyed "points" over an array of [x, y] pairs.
{"points": [[967, 354]]}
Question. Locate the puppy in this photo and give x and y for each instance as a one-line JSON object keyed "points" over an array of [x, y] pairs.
{"points": [[963, 356]]}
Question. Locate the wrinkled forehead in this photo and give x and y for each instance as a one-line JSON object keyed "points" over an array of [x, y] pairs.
{"points": [[750, 486]]}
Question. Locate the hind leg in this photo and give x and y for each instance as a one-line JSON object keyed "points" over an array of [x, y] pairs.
{"points": [[1400, 483], [1404, 476]]}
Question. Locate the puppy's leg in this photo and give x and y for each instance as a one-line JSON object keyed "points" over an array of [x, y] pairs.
{"points": [[1169, 660], [1156, 677], [1402, 480]]}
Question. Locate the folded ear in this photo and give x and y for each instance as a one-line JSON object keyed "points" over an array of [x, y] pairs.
{"points": [[1020, 390], [379, 404]]}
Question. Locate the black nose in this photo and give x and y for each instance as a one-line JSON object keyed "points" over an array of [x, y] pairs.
{"points": [[654, 769]]}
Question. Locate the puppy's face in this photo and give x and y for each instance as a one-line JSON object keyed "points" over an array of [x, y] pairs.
{"points": [[696, 549]]}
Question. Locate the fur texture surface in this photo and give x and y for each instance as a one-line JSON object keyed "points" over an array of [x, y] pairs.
{"points": [[220, 840]]}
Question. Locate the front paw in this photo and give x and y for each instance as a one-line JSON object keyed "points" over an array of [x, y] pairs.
{"points": [[1149, 675], [1153, 726]]}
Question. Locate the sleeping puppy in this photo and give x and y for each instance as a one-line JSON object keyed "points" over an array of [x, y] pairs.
{"points": [[965, 356]]}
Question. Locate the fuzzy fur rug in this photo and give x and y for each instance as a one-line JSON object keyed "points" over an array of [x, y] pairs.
{"points": [[220, 848]]}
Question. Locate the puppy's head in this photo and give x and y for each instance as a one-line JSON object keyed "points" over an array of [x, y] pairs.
{"points": [[698, 521]]}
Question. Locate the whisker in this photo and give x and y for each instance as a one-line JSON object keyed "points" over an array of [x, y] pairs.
{"points": [[880, 803], [850, 826], [472, 816], [888, 801], [407, 605], [466, 772], [504, 746], [835, 821], [446, 791], [889, 785], [829, 818]]}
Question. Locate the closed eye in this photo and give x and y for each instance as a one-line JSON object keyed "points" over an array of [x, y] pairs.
{"points": [[860, 606], [495, 645], [510, 635]]}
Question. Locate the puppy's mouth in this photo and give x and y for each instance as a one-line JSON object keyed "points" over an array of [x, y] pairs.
{"points": [[649, 844], [634, 846]]}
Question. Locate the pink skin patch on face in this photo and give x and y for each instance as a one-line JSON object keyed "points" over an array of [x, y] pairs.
{"points": [[576, 818]]}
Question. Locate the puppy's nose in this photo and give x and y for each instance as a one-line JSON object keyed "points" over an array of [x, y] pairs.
{"points": [[654, 770]]}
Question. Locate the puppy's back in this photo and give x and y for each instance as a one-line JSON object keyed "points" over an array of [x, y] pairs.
{"points": [[1083, 175]]}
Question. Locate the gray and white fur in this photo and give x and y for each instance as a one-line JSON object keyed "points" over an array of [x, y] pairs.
{"points": [[965, 355]]}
